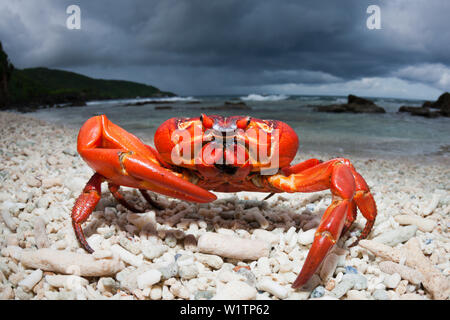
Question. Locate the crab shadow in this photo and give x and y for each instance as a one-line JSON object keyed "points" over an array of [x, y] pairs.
{"points": [[231, 213]]}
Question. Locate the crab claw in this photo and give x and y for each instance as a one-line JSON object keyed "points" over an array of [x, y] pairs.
{"points": [[121, 159]]}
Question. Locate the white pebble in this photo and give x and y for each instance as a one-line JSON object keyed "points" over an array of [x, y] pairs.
{"points": [[127, 256], [149, 278], [432, 205], [69, 262], [273, 288], [65, 281], [210, 260], [356, 295], [425, 225], [263, 266], [392, 281], [394, 237], [8, 220], [236, 290], [232, 246], [306, 237], [267, 236], [31, 280]]}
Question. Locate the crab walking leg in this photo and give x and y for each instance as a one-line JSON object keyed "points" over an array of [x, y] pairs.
{"points": [[338, 177], [299, 167], [150, 201], [84, 206], [366, 204], [114, 189]]}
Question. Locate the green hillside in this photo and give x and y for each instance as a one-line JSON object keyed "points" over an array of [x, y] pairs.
{"points": [[42, 86]]}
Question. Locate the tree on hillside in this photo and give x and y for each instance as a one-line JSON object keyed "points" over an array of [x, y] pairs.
{"points": [[6, 69]]}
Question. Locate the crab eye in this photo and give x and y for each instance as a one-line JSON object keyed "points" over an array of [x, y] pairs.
{"points": [[206, 121], [243, 123]]}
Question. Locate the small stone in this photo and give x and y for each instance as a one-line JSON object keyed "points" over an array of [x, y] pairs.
{"points": [[180, 291], [401, 287], [412, 275], [349, 281], [156, 293], [171, 241], [168, 271], [263, 266], [31, 280], [380, 295], [107, 285], [236, 290], [51, 182], [306, 237], [210, 260], [330, 284], [153, 251], [8, 220], [356, 295], [69, 262], [318, 292], [251, 279], [397, 236], [349, 269], [203, 295], [148, 278], [392, 280], [425, 225], [127, 256], [232, 246], [65, 281], [267, 236], [188, 271], [273, 288], [32, 181]]}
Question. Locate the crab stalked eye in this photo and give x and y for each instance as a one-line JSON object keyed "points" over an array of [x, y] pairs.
{"points": [[206, 121], [243, 123]]}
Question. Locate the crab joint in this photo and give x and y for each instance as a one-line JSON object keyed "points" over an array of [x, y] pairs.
{"points": [[326, 234], [122, 157]]}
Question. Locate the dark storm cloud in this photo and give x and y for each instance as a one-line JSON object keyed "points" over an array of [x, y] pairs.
{"points": [[223, 46]]}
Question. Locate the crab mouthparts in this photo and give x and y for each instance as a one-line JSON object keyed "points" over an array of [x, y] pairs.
{"points": [[225, 153]]}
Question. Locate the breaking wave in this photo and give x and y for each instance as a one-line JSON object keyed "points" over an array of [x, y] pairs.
{"points": [[258, 97]]}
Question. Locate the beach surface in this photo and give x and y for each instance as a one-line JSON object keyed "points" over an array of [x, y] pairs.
{"points": [[168, 254]]}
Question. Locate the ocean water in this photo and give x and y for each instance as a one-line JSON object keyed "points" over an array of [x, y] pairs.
{"points": [[371, 135]]}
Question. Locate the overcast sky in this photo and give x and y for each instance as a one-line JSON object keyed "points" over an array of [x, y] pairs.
{"points": [[199, 47]]}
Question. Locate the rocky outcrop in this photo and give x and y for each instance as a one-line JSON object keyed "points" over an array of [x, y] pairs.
{"points": [[6, 69], [419, 111], [442, 104], [354, 104]]}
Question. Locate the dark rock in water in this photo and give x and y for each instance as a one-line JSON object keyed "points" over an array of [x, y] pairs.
{"points": [[163, 107], [143, 103], [352, 99], [419, 111], [354, 105], [229, 106], [442, 103], [77, 103], [427, 104]]}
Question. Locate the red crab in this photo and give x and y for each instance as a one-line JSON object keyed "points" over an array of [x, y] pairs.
{"points": [[224, 154]]}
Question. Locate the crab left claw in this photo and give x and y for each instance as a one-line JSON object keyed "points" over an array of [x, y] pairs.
{"points": [[123, 160]]}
